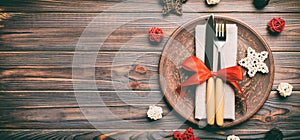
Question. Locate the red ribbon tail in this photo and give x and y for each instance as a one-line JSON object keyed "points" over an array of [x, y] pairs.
{"points": [[181, 91], [236, 85]]}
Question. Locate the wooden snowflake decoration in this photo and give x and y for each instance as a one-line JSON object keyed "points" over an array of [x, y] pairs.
{"points": [[254, 62], [174, 6]]}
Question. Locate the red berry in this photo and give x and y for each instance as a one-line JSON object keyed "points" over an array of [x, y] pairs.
{"points": [[176, 135], [187, 135]]}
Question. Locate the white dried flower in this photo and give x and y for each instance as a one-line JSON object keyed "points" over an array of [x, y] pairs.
{"points": [[233, 137], [212, 2], [154, 112], [285, 89]]}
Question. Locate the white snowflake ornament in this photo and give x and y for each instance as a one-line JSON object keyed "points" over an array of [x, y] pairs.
{"points": [[254, 62], [154, 112]]}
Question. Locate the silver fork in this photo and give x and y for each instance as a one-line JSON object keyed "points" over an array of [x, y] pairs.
{"points": [[220, 41], [220, 30]]}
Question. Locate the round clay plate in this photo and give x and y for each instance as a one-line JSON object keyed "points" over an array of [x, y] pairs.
{"points": [[181, 45]]}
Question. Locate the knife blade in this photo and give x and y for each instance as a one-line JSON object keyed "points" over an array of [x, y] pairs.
{"points": [[209, 42], [210, 86]]}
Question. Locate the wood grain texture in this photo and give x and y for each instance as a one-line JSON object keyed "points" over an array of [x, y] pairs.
{"points": [[38, 39], [122, 6], [60, 110], [53, 70], [62, 31], [148, 134]]}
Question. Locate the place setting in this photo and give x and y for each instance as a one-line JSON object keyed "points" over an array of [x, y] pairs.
{"points": [[222, 72]]}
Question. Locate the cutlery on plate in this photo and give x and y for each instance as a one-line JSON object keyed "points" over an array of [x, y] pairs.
{"points": [[220, 30], [210, 86]]}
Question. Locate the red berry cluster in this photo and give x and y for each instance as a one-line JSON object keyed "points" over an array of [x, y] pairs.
{"points": [[187, 135], [155, 34], [276, 25]]}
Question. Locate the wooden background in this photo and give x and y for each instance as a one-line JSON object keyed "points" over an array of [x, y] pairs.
{"points": [[37, 44]]}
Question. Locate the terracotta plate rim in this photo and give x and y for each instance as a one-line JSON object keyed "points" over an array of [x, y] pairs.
{"points": [[265, 44]]}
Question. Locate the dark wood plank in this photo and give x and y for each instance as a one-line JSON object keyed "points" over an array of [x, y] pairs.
{"points": [[60, 110], [144, 134], [126, 31], [142, 6], [113, 70], [54, 70], [33, 34]]}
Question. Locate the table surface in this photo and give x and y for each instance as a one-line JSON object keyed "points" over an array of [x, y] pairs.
{"points": [[47, 48]]}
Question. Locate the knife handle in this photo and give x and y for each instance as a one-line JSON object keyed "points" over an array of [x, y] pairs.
{"points": [[210, 101], [219, 102]]}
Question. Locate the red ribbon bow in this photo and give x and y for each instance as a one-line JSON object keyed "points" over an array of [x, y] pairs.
{"points": [[231, 74]]}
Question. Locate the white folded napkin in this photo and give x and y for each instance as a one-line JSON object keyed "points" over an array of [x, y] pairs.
{"points": [[228, 54]]}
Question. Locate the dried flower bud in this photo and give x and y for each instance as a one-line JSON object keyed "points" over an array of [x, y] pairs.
{"points": [[154, 112], [134, 85], [212, 2], [141, 69], [233, 137], [285, 89]]}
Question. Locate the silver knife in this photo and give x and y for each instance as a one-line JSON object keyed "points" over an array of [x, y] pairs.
{"points": [[210, 86], [209, 42]]}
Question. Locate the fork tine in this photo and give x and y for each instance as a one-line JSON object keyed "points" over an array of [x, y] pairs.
{"points": [[216, 29], [220, 29], [223, 30]]}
